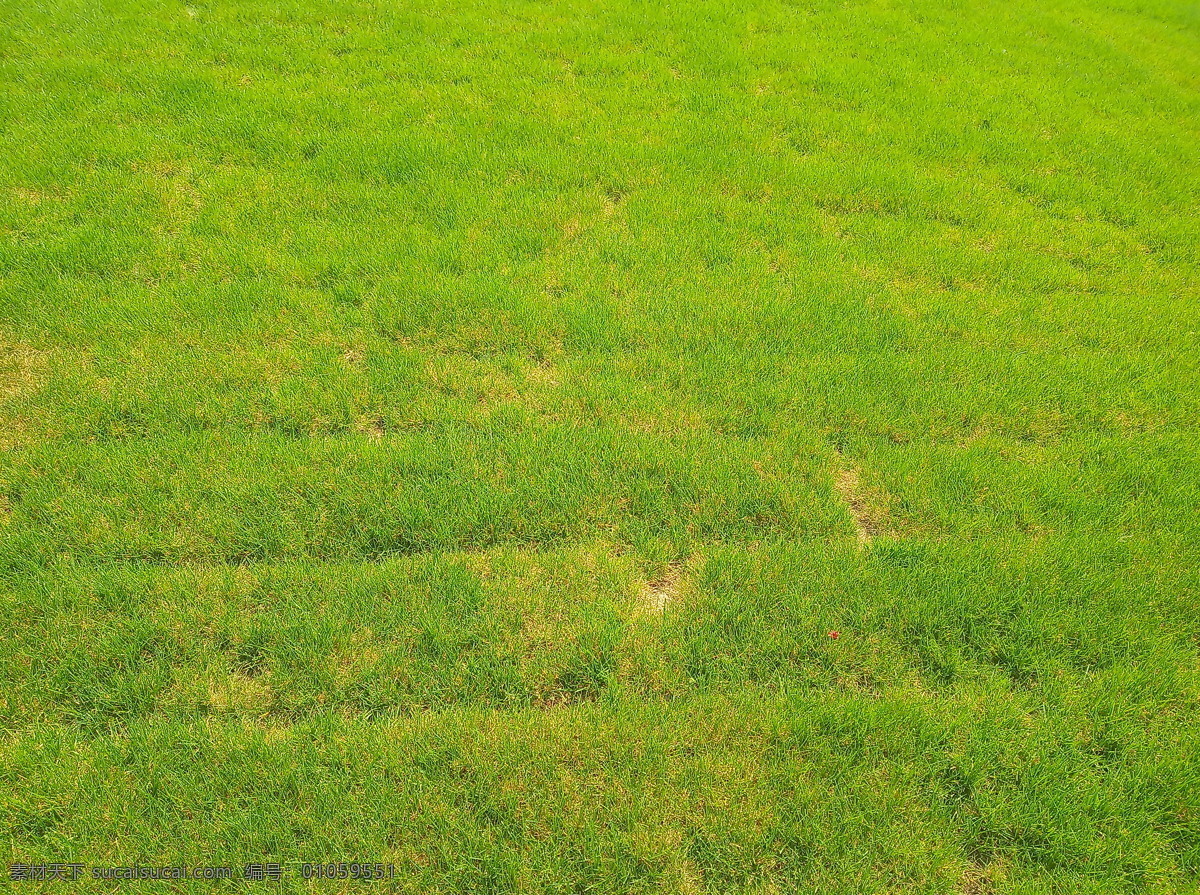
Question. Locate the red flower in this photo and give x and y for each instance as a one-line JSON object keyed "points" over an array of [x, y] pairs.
{"points": [[835, 634]]}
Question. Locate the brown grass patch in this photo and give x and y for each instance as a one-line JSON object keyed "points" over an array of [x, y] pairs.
{"points": [[981, 878], [656, 595], [28, 196], [243, 695], [868, 506], [373, 427], [22, 369]]}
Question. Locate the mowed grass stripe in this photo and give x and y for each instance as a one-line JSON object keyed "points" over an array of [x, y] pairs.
{"points": [[508, 628], [251, 497], [759, 373], [835, 792]]}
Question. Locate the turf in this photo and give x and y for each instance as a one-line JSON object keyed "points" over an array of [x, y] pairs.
{"points": [[574, 447]]}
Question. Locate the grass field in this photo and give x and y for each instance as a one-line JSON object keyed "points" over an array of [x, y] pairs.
{"points": [[603, 447]]}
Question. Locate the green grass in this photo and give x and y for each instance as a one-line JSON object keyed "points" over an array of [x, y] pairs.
{"points": [[447, 434]]}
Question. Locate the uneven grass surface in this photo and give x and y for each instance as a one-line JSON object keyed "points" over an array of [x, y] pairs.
{"points": [[448, 434]]}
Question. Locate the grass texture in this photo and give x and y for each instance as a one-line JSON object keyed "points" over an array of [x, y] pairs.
{"points": [[562, 447]]}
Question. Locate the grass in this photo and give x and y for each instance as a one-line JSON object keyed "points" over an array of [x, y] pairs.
{"points": [[449, 434]]}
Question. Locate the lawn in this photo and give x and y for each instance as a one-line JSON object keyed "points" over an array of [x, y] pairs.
{"points": [[563, 447]]}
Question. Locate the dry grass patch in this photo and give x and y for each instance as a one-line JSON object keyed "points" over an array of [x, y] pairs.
{"points": [[242, 695], [22, 369], [981, 879], [868, 505], [654, 596]]}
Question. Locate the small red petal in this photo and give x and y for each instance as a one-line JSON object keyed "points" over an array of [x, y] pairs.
{"points": [[835, 634]]}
